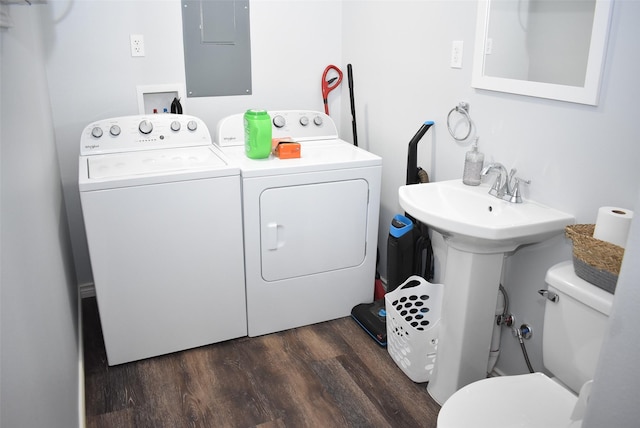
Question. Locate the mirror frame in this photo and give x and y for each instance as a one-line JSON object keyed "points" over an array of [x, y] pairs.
{"points": [[582, 95]]}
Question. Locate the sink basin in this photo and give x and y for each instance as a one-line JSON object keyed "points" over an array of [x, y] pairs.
{"points": [[478, 230], [470, 219]]}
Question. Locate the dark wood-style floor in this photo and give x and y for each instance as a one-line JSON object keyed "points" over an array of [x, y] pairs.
{"points": [[330, 374]]}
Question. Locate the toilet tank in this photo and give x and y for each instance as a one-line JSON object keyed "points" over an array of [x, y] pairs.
{"points": [[574, 326]]}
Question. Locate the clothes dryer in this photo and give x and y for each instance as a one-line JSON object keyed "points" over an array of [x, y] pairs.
{"points": [[310, 223], [163, 219]]}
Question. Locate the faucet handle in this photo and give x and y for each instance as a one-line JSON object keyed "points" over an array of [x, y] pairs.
{"points": [[515, 194], [496, 187]]}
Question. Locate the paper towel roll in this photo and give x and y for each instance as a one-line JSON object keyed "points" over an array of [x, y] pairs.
{"points": [[612, 225]]}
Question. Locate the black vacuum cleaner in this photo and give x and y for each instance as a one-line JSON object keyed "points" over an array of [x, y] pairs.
{"points": [[409, 249], [409, 252]]}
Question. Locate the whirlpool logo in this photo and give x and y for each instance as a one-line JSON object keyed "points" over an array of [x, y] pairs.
{"points": [[92, 146]]}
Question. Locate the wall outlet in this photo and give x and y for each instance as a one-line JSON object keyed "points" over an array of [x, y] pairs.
{"points": [[137, 44], [488, 47], [456, 54]]}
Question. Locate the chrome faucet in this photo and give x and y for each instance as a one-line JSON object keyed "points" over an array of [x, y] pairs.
{"points": [[506, 186], [501, 185]]}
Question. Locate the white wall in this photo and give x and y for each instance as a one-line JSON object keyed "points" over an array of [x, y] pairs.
{"points": [[93, 76], [40, 381], [578, 157]]}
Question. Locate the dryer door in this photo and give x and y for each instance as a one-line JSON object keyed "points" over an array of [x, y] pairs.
{"points": [[313, 228]]}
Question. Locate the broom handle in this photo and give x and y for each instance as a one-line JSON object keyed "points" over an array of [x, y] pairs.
{"points": [[353, 104]]}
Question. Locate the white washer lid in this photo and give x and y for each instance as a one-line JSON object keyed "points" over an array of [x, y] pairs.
{"points": [[108, 171], [530, 400], [152, 162]]}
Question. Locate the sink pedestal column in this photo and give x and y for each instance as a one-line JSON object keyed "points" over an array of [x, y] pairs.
{"points": [[471, 283]]}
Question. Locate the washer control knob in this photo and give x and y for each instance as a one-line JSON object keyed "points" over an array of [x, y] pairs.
{"points": [[192, 125], [114, 130], [317, 120], [279, 121], [96, 132], [175, 126], [145, 127], [304, 121]]}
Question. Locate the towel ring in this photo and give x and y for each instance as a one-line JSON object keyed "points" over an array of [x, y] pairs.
{"points": [[461, 108]]}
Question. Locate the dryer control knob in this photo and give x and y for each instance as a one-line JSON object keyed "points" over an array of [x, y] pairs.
{"points": [[192, 125], [279, 121], [114, 130], [317, 120], [145, 127], [96, 132], [304, 121], [175, 126]]}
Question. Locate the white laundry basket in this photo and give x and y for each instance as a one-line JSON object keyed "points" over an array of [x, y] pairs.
{"points": [[413, 318]]}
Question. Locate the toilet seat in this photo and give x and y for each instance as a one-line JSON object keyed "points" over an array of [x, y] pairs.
{"points": [[530, 400]]}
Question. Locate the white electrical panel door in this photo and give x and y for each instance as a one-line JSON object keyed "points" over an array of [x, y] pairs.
{"points": [[313, 228]]}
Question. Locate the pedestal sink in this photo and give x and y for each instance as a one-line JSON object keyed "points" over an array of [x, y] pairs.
{"points": [[478, 229]]}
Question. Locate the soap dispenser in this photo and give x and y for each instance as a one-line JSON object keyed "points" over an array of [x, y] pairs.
{"points": [[473, 162]]}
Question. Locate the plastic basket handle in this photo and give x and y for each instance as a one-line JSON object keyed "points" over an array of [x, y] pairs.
{"points": [[410, 280]]}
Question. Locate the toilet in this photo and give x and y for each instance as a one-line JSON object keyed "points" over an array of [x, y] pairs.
{"points": [[574, 328]]}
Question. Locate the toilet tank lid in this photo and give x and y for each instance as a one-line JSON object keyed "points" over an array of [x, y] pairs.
{"points": [[563, 277]]}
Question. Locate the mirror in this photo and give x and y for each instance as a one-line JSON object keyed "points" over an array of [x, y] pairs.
{"points": [[542, 48]]}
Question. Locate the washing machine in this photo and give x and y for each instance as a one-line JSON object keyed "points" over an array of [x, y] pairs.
{"points": [[310, 223], [163, 218]]}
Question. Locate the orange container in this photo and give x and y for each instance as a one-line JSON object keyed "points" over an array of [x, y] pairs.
{"points": [[286, 149]]}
